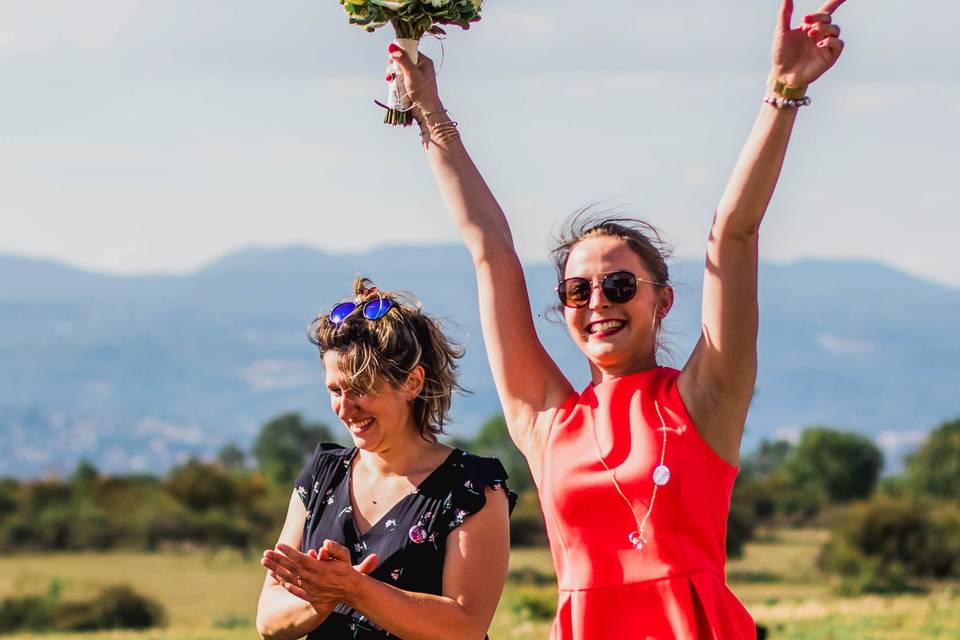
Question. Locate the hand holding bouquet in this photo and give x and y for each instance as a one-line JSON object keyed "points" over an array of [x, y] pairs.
{"points": [[410, 19]]}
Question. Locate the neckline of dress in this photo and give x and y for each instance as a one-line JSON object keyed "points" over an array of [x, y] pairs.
{"points": [[627, 376], [353, 520]]}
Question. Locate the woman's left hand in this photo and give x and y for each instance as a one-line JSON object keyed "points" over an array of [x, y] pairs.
{"points": [[323, 579], [802, 55]]}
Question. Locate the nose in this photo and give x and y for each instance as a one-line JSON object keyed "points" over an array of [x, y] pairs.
{"points": [[597, 299], [345, 407]]}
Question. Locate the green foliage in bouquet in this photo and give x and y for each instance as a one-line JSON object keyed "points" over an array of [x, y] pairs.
{"points": [[412, 18]]}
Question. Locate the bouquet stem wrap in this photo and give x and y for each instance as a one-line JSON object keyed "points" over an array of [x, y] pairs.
{"points": [[410, 19], [399, 107]]}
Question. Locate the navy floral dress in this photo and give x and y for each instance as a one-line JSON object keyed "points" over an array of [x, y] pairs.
{"points": [[410, 539]]}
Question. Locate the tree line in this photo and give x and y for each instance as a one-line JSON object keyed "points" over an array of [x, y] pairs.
{"points": [[887, 533]]}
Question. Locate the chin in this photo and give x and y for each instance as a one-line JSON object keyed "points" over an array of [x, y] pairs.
{"points": [[366, 441]]}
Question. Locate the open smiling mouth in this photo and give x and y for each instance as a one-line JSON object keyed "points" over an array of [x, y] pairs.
{"points": [[604, 328], [359, 426]]}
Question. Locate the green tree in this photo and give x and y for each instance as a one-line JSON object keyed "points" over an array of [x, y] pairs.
{"points": [[84, 476], [766, 460], [202, 486], [284, 444], [8, 497], [838, 466], [232, 457], [935, 468], [494, 440]]}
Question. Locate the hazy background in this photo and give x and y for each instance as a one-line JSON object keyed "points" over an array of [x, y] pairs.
{"points": [[141, 136], [155, 143]]}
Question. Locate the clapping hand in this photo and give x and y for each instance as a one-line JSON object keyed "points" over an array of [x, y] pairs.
{"points": [[322, 578]]}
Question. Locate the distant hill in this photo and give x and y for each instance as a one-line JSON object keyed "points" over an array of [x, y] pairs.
{"points": [[136, 373]]}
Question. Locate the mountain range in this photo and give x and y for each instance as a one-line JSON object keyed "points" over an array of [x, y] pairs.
{"points": [[137, 373]]}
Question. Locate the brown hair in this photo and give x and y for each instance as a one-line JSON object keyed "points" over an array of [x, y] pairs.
{"points": [[642, 238], [374, 352]]}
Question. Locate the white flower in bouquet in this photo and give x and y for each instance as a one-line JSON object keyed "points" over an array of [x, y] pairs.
{"points": [[396, 5], [410, 19]]}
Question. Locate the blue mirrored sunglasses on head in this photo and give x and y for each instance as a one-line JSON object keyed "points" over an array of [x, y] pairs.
{"points": [[371, 310]]}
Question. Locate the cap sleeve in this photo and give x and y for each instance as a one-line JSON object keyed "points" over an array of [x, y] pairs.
{"points": [[473, 475], [318, 470]]}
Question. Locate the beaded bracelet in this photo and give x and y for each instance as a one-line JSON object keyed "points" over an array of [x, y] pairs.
{"points": [[787, 103]]}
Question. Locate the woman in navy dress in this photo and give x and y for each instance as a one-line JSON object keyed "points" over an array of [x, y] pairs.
{"points": [[399, 535]]}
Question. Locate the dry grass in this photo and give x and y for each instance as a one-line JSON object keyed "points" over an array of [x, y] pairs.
{"points": [[777, 580]]}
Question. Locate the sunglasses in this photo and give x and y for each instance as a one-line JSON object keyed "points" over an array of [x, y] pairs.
{"points": [[371, 310], [618, 287]]}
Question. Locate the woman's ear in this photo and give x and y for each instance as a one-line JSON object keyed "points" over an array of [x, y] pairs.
{"points": [[665, 303], [413, 385]]}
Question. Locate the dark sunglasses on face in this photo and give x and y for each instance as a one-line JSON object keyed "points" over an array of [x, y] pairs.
{"points": [[371, 310], [618, 287]]}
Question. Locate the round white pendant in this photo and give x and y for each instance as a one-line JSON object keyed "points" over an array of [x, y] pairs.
{"points": [[661, 475], [637, 540]]}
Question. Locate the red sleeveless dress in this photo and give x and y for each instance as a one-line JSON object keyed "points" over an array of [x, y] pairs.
{"points": [[675, 586]]}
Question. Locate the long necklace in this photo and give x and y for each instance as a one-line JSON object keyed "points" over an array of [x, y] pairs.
{"points": [[661, 476]]}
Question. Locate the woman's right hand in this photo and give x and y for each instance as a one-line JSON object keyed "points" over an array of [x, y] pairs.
{"points": [[419, 80]]}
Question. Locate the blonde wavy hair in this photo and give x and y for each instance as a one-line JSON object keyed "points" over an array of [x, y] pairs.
{"points": [[386, 351]]}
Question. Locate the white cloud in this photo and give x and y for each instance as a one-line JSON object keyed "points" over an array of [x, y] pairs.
{"points": [[172, 432], [790, 434], [896, 441], [843, 346], [265, 375]]}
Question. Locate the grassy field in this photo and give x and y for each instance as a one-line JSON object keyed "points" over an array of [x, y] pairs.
{"points": [[213, 596]]}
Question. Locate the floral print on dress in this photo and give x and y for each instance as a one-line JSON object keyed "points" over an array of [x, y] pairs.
{"points": [[458, 518], [410, 539]]}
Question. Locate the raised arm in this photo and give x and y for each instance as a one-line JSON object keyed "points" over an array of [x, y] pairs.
{"points": [[717, 382], [530, 385]]}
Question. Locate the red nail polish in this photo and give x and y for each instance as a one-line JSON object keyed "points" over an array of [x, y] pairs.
{"points": [[808, 18], [394, 47]]}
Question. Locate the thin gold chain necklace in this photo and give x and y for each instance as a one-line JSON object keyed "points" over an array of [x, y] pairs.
{"points": [[661, 476]]}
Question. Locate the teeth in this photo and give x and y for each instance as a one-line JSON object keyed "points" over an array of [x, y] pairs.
{"points": [[359, 425], [605, 325]]}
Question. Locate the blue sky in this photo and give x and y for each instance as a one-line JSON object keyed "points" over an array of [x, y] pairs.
{"points": [[144, 136]]}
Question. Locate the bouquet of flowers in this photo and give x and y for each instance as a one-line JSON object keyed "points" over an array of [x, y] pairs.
{"points": [[410, 19]]}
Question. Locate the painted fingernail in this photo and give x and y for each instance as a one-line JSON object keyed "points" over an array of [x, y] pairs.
{"points": [[389, 77], [394, 47], [814, 32], [808, 18]]}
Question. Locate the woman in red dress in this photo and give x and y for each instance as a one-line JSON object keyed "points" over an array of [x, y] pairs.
{"points": [[634, 472]]}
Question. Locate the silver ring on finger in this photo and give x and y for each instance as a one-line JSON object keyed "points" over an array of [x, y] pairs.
{"points": [[299, 581]]}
